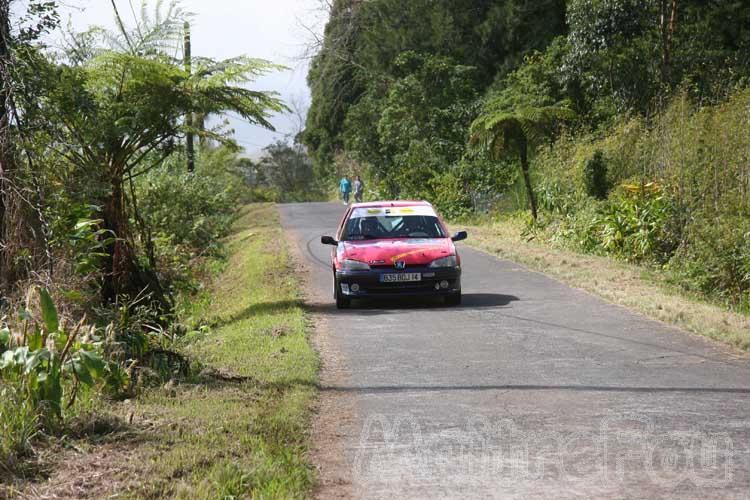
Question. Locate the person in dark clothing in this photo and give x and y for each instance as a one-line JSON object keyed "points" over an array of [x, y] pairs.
{"points": [[359, 189]]}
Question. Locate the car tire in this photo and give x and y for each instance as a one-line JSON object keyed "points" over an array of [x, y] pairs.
{"points": [[453, 300], [342, 302]]}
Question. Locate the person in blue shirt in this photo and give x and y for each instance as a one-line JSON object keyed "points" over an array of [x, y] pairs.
{"points": [[346, 188]]}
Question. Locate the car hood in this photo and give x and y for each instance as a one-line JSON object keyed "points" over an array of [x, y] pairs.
{"points": [[417, 251]]}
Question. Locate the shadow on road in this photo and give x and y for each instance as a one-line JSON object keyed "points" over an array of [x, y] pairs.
{"points": [[570, 388], [472, 300], [388, 305], [218, 380], [372, 306]]}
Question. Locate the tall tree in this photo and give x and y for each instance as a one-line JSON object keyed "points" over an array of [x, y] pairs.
{"points": [[417, 130], [189, 137], [667, 21], [288, 169], [21, 219], [122, 112], [6, 156], [359, 55]]}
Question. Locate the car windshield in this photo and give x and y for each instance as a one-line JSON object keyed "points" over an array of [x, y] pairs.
{"points": [[397, 226]]}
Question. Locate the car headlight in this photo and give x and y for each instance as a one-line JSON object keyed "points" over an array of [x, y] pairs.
{"points": [[450, 261], [354, 265]]}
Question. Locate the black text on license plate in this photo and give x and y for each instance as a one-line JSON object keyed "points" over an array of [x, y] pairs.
{"points": [[400, 277]]}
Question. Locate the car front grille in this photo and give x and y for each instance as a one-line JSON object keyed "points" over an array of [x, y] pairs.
{"points": [[419, 286]]}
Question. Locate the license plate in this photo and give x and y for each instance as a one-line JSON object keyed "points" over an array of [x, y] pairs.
{"points": [[400, 277]]}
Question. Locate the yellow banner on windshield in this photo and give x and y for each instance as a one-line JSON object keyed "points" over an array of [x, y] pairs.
{"points": [[423, 210]]}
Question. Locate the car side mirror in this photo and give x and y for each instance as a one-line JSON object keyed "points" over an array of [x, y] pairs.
{"points": [[461, 235], [328, 240]]}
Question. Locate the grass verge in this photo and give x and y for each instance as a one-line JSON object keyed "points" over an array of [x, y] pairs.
{"points": [[632, 286], [240, 428]]}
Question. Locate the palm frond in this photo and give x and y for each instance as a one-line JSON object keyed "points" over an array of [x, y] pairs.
{"points": [[237, 70], [158, 33], [496, 128]]}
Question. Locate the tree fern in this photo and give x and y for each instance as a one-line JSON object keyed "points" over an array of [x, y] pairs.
{"points": [[500, 131], [122, 96]]}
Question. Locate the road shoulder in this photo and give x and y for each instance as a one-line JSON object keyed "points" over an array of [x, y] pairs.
{"points": [[334, 412], [620, 283]]}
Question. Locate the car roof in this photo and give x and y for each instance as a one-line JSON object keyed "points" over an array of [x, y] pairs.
{"points": [[395, 203]]}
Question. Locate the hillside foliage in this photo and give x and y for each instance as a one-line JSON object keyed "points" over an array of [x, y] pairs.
{"points": [[105, 235], [436, 100]]}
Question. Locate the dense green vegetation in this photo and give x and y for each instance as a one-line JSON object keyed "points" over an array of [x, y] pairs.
{"points": [[108, 234], [621, 124]]}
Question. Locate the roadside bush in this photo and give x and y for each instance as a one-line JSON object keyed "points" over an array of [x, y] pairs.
{"points": [[47, 366], [555, 198], [142, 343], [194, 210], [704, 153], [580, 229], [682, 195], [595, 176], [450, 195], [634, 226], [51, 359], [638, 223], [714, 259], [78, 232], [485, 180], [52, 370], [262, 194]]}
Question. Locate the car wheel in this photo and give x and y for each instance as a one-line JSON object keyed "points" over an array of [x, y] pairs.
{"points": [[453, 300], [342, 302]]}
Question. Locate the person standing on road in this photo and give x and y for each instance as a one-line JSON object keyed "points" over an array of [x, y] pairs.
{"points": [[359, 189], [345, 187]]}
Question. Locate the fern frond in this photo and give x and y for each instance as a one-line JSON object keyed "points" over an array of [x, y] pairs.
{"points": [[494, 130]]}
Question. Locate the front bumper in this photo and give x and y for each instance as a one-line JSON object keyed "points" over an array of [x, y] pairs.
{"points": [[370, 284]]}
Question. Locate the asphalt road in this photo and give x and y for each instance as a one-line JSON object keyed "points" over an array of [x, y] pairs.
{"points": [[530, 389]]}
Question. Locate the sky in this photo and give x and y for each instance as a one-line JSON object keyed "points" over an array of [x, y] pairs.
{"points": [[265, 29]]}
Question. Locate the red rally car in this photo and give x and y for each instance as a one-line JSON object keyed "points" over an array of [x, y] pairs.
{"points": [[394, 248]]}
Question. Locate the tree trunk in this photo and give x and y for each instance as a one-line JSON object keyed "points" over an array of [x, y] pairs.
{"points": [[125, 277], [523, 153], [121, 269], [6, 155], [667, 20], [22, 229], [189, 139]]}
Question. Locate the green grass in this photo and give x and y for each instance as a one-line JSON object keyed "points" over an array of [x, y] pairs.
{"points": [[240, 428], [18, 426]]}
